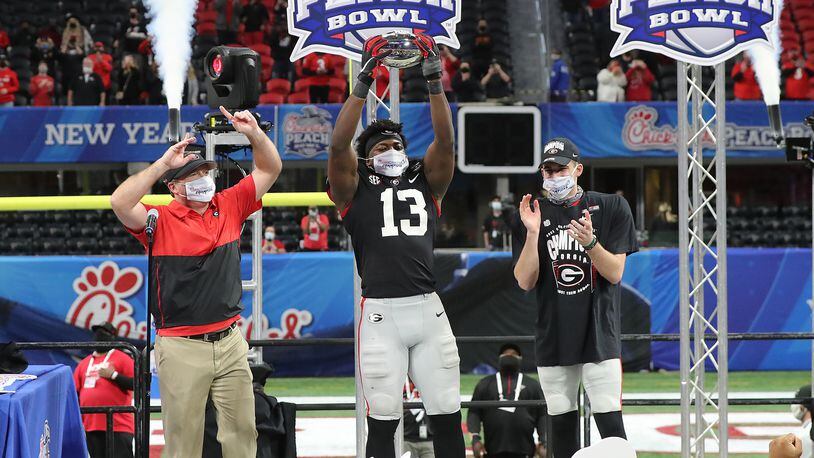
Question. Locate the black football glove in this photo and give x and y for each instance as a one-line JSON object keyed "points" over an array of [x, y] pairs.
{"points": [[372, 54], [431, 64]]}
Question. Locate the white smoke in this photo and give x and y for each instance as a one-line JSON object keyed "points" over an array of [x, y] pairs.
{"points": [[171, 28], [766, 62]]}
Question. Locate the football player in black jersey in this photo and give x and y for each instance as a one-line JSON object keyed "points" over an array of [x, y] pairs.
{"points": [[390, 207], [571, 246]]}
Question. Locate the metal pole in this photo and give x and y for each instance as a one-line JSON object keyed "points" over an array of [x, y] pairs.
{"points": [[698, 255], [683, 264], [722, 296]]}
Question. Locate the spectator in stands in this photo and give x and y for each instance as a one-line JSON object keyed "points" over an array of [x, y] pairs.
{"points": [[87, 88], [280, 9], [102, 63], [318, 67], [797, 74], [192, 89], [639, 82], [788, 446], [746, 87], [611, 82], [467, 87], [271, 244], [154, 86], [23, 35], [254, 17], [627, 59], [509, 431], [450, 64], [77, 35], [51, 30], [105, 378], [802, 412], [9, 84], [482, 49], [41, 87], [133, 32], [71, 56], [44, 52], [228, 20], [560, 80], [129, 84], [314, 227], [496, 82], [495, 229], [282, 44], [4, 39]]}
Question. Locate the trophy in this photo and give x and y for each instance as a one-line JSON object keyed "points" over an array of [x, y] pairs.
{"points": [[404, 53]]}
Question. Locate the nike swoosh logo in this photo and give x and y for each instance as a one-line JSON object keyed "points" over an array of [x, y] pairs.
{"points": [[439, 314], [413, 179]]}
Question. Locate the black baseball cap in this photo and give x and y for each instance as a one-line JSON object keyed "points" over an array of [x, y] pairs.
{"points": [[189, 167], [107, 326], [510, 346], [560, 150]]}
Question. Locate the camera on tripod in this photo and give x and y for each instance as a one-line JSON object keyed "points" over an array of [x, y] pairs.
{"points": [[801, 149]]}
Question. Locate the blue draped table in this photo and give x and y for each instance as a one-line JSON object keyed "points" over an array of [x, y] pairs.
{"points": [[42, 414]]}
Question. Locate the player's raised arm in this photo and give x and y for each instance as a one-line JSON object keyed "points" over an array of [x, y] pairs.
{"points": [[439, 161], [342, 159]]}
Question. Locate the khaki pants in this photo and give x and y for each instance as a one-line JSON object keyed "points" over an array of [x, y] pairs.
{"points": [[189, 371], [421, 449]]}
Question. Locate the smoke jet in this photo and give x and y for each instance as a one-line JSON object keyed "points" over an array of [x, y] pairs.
{"points": [[171, 29]]}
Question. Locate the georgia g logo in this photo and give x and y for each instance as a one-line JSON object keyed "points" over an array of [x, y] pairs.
{"points": [[569, 275], [703, 32], [342, 26]]}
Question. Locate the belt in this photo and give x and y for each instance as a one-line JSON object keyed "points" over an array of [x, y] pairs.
{"points": [[213, 336]]}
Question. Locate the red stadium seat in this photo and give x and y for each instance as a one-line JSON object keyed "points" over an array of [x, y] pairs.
{"points": [[271, 98], [336, 96], [278, 86], [207, 16], [803, 13], [262, 49], [299, 97], [266, 67], [206, 28], [338, 84], [302, 84]]}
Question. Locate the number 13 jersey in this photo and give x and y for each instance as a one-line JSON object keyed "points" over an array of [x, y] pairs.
{"points": [[391, 222]]}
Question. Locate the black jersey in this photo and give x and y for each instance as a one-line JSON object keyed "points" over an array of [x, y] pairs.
{"points": [[391, 222], [579, 310]]}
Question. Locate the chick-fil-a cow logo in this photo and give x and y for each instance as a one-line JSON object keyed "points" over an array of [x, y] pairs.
{"points": [[291, 323], [100, 296]]}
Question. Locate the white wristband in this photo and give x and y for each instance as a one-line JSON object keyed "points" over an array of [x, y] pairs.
{"points": [[115, 374]]}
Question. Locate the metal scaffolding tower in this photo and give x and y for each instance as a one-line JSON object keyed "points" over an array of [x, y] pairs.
{"points": [[702, 260]]}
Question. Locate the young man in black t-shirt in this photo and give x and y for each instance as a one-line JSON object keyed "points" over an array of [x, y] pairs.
{"points": [[390, 207], [571, 246]]}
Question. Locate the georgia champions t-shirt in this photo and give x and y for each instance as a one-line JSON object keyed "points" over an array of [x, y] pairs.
{"points": [[578, 310]]}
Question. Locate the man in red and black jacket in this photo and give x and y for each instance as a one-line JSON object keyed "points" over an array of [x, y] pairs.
{"points": [[196, 289]]}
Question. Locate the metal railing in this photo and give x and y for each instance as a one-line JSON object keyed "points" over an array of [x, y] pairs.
{"points": [[139, 410]]}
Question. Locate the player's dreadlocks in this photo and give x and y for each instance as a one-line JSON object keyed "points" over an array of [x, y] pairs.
{"points": [[376, 127]]}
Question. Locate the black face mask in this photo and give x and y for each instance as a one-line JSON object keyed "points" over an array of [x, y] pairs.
{"points": [[509, 363]]}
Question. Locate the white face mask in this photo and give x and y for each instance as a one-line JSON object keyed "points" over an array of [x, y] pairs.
{"points": [[201, 190], [798, 411], [270, 235], [558, 188], [312, 212], [496, 206], [390, 163], [87, 70]]}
